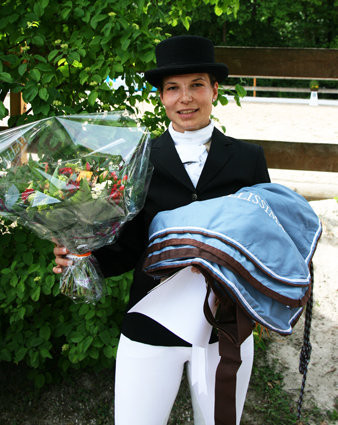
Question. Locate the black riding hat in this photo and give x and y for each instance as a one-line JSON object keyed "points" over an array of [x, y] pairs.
{"points": [[185, 54]]}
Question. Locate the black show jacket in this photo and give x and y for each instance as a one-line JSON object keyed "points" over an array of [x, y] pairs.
{"points": [[231, 164]]}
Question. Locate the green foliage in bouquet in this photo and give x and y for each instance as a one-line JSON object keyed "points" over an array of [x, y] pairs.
{"points": [[42, 329]]}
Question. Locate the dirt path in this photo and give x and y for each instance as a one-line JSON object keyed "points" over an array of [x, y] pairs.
{"points": [[322, 379], [280, 121]]}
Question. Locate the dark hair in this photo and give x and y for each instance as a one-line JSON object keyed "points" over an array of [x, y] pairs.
{"points": [[212, 79]]}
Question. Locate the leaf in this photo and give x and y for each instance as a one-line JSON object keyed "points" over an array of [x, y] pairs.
{"points": [[38, 10], [96, 19], [83, 77], [22, 68], [21, 313], [118, 68], [35, 341], [83, 309], [73, 56], [3, 110], [35, 74], [44, 67], [97, 78], [35, 295], [48, 284], [240, 90], [186, 22], [14, 280], [40, 58], [43, 94], [45, 332], [6, 77], [20, 354], [29, 93], [52, 55], [47, 78], [44, 3], [108, 351], [92, 98], [106, 337], [218, 10], [77, 337], [149, 56], [90, 314], [38, 40], [93, 353], [223, 100], [33, 267], [20, 289], [86, 343], [45, 353]]}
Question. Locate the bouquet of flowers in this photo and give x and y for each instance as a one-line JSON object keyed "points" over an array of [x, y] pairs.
{"points": [[76, 180]]}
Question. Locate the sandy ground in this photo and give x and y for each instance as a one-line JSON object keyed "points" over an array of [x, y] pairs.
{"points": [[322, 379], [280, 121]]}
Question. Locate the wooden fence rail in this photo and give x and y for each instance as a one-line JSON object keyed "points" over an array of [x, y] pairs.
{"points": [[276, 62], [300, 156], [284, 89]]}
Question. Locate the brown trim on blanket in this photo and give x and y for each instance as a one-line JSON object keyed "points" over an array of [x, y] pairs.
{"points": [[213, 254], [219, 292], [223, 240]]}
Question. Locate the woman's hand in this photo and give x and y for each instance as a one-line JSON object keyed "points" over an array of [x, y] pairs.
{"points": [[60, 253]]}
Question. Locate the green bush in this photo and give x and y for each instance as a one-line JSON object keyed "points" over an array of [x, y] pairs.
{"points": [[41, 328]]}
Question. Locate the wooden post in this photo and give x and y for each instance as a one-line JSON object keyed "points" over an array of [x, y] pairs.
{"points": [[254, 86], [17, 105]]}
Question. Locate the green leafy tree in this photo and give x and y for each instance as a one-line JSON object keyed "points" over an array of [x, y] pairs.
{"points": [[58, 54], [291, 23]]}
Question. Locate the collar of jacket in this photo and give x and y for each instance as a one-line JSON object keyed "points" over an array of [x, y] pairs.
{"points": [[165, 157]]}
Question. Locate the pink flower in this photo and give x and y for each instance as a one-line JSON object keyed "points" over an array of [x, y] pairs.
{"points": [[26, 193], [66, 170], [114, 175]]}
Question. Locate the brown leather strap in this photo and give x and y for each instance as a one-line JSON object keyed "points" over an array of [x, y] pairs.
{"points": [[230, 319], [225, 388], [234, 326]]}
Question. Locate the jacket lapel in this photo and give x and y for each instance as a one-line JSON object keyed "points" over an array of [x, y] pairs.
{"points": [[221, 150], [164, 157]]}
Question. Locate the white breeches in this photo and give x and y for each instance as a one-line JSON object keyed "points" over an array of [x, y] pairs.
{"points": [[148, 378]]}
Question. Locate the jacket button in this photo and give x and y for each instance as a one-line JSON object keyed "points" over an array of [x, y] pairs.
{"points": [[194, 197]]}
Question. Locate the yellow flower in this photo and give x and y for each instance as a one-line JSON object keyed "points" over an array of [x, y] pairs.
{"points": [[84, 175]]}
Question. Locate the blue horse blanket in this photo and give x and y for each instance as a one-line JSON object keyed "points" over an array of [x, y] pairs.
{"points": [[256, 245]]}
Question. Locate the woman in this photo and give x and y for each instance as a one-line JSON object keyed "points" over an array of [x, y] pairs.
{"points": [[192, 161]]}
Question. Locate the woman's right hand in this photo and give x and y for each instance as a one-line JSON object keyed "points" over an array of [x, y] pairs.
{"points": [[61, 261]]}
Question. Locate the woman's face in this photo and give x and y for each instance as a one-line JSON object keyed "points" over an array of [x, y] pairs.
{"points": [[188, 100]]}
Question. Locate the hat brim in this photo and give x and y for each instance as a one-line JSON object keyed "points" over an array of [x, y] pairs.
{"points": [[155, 76]]}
